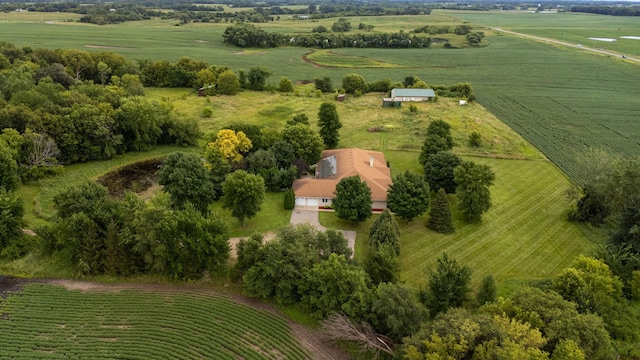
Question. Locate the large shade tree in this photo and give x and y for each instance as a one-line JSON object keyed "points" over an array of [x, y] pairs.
{"points": [[352, 199], [243, 194], [474, 197], [438, 169], [186, 180]]}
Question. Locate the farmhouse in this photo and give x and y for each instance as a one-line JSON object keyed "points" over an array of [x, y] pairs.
{"points": [[336, 164]]}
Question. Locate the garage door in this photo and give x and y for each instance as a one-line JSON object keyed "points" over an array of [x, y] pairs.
{"points": [[312, 202], [301, 201]]}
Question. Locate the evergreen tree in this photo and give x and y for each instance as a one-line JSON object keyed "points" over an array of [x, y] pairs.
{"points": [[289, 199], [385, 230], [408, 196], [440, 215], [382, 264], [329, 123], [488, 291], [448, 285]]}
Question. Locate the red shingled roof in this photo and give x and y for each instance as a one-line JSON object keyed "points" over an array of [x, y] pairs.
{"points": [[369, 165]]}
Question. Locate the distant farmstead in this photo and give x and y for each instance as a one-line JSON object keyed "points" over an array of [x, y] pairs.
{"points": [[398, 96], [337, 164]]}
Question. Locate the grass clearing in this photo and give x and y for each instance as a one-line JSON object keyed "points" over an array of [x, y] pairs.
{"points": [[49, 321], [38, 196], [272, 216]]}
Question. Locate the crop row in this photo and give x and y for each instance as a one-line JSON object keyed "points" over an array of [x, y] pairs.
{"points": [[51, 320]]}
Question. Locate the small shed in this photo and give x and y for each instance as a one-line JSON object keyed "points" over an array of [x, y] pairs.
{"points": [[341, 97]]}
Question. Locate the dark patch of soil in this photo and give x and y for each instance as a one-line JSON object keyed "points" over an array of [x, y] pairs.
{"points": [[10, 284], [136, 177]]}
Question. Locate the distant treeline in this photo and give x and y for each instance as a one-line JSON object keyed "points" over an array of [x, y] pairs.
{"points": [[247, 35], [608, 10], [185, 12]]}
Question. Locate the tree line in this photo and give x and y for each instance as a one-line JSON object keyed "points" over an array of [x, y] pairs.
{"points": [[248, 35], [607, 10]]}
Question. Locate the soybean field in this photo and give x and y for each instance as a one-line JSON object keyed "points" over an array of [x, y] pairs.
{"points": [[50, 322]]}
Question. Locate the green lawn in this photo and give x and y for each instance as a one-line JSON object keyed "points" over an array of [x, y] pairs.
{"points": [[524, 236], [46, 321], [271, 217]]}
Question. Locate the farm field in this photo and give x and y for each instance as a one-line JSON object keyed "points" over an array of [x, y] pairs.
{"points": [[47, 321], [562, 100], [571, 27]]}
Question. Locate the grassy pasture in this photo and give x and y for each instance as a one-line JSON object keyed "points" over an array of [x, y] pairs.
{"points": [[47, 321]]}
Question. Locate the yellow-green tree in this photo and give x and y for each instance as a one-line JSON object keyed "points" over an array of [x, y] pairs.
{"points": [[231, 145]]}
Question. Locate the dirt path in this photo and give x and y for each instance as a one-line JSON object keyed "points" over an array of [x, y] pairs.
{"points": [[553, 41], [307, 338]]}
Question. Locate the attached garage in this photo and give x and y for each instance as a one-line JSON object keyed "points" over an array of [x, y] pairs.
{"points": [[306, 201]]}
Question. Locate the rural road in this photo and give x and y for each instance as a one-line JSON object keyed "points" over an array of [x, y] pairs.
{"points": [[553, 41]]}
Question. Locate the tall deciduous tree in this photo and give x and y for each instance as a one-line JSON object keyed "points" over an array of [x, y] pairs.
{"points": [[448, 285], [385, 230], [352, 199], [438, 169], [354, 82], [333, 285], [228, 83], [329, 123], [408, 196], [440, 214], [186, 180], [474, 197], [230, 145], [438, 139], [397, 311], [11, 212], [306, 142], [257, 77], [8, 169], [243, 194], [285, 85]]}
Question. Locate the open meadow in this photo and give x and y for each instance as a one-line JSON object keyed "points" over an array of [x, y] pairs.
{"points": [[51, 322]]}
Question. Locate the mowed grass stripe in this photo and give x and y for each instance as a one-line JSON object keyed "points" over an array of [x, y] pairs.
{"points": [[524, 235]]}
